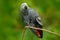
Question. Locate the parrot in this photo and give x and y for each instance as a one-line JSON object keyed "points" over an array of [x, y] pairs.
{"points": [[31, 18]]}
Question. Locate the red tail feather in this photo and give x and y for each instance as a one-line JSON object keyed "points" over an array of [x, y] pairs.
{"points": [[37, 32]]}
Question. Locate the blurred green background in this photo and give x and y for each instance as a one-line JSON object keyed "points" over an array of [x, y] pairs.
{"points": [[11, 25]]}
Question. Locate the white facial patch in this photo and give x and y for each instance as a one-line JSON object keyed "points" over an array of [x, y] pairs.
{"points": [[23, 5]]}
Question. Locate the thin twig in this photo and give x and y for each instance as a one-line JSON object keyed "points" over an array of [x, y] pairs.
{"points": [[23, 33], [43, 30]]}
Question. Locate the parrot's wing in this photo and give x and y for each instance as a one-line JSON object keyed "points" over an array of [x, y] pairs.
{"points": [[35, 17], [38, 19], [37, 23]]}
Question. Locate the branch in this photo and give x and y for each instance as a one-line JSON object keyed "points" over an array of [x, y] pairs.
{"points": [[23, 33], [43, 30]]}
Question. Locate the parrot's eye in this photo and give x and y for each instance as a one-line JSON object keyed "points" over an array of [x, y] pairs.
{"points": [[26, 7]]}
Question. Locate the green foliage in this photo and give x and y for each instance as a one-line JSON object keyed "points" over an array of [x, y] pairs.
{"points": [[11, 24]]}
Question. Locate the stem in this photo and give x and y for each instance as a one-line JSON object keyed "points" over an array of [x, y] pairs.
{"points": [[23, 33], [43, 30]]}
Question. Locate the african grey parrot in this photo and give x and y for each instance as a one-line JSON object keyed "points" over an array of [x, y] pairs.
{"points": [[31, 18]]}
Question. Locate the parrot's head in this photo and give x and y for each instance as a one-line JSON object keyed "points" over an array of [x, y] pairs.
{"points": [[24, 7]]}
